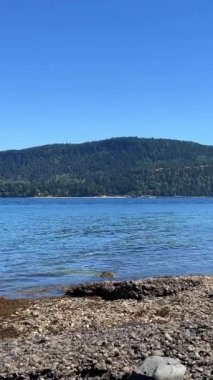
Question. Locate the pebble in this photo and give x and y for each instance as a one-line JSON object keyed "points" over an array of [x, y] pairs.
{"points": [[168, 337]]}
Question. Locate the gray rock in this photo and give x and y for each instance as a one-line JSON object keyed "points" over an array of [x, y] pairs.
{"points": [[157, 353], [159, 368], [170, 372], [168, 337]]}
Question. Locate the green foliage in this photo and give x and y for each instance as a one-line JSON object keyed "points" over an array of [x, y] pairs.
{"points": [[119, 166]]}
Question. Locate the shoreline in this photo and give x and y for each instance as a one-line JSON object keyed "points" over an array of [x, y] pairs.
{"points": [[103, 330], [37, 293], [112, 197]]}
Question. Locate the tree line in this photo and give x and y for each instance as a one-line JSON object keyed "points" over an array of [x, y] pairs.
{"points": [[119, 166]]}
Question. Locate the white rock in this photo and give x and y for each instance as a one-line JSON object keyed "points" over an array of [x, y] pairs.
{"points": [[169, 372], [159, 368]]}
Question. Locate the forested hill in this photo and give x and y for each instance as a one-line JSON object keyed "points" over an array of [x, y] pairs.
{"points": [[118, 166]]}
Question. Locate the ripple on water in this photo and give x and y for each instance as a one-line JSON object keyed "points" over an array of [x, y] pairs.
{"points": [[48, 243]]}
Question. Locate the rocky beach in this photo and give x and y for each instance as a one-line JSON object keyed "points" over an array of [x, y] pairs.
{"points": [[104, 330]]}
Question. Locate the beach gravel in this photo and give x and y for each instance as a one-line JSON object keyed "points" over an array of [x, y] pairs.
{"points": [[91, 336]]}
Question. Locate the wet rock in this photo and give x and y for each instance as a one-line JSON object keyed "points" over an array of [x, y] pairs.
{"points": [[107, 274], [133, 289]]}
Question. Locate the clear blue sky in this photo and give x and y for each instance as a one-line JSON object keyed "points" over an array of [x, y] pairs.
{"points": [[80, 70]]}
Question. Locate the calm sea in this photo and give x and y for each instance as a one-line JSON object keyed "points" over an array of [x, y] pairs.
{"points": [[45, 243]]}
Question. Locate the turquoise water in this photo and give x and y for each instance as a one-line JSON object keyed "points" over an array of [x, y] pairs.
{"points": [[49, 242]]}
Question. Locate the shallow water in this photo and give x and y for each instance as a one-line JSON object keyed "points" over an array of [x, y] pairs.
{"points": [[45, 243]]}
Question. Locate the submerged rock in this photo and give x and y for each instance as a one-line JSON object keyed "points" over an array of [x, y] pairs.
{"points": [[106, 274]]}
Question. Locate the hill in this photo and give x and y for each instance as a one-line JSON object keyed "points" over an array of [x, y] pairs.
{"points": [[118, 166]]}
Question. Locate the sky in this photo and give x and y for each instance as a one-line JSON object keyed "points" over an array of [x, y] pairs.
{"points": [[83, 70]]}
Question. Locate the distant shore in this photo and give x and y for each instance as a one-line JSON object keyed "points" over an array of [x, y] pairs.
{"points": [[106, 329], [89, 197], [112, 197], [106, 196]]}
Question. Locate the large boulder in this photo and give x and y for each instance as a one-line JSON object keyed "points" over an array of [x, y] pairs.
{"points": [[159, 368]]}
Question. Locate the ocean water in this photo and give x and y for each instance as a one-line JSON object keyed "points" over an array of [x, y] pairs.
{"points": [[49, 243]]}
